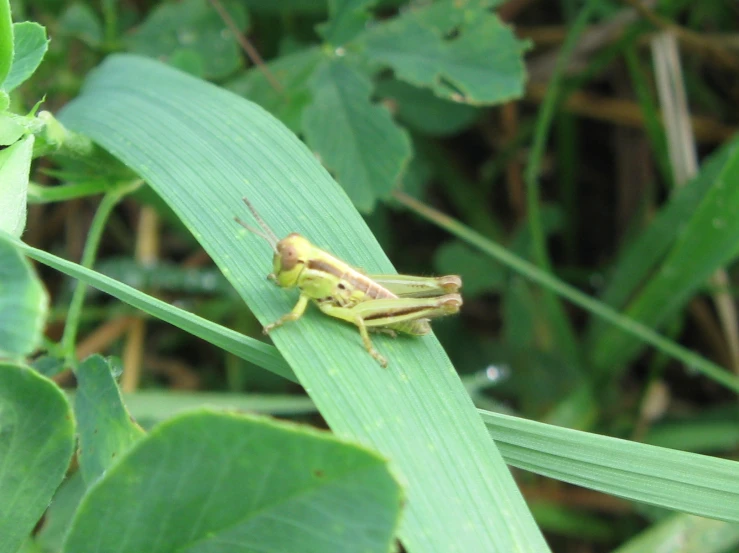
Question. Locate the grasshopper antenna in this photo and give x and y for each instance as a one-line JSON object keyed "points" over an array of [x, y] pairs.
{"points": [[265, 233]]}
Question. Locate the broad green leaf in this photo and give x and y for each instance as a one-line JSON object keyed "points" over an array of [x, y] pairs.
{"points": [[6, 40], [15, 167], [81, 21], [482, 65], [196, 26], [202, 160], [356, 140], [425, 112], [640, 259], [23, 305], [293, 73], [706, 242], [226, 482], [688, 482], [30, 47], [347, 19], [685, 534], [105, 428], [35, 449]]}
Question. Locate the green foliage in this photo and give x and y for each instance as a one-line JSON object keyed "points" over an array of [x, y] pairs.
{"points": [[423, 111], [388, 96], [677, 480], [58, 516], [191, 34], [103, 438], [204, 479], [80, 21], [479, 273], [695, 534], [36, 447], [699, 244], [359, 142], [30, 45], [6, 40], [15, 164], [23, 305], [294, 72], [347, 19], [480, 66], [234, 342], [326, 95]]}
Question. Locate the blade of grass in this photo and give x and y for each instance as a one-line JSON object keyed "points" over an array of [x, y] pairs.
{"points": [[687, 482], [530, 271], [562, 325], [640, 259], [202, 149], [71, 325], [242, 346]]}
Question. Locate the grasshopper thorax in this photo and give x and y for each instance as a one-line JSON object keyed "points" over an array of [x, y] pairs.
{"points": [[291, 255]]}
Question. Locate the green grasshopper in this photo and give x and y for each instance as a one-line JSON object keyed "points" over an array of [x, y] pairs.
{"points": [[382, 303]]}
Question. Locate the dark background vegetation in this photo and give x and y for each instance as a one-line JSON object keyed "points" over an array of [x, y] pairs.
{"points": [[603, 179]]}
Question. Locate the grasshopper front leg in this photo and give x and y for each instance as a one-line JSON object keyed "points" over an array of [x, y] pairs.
{"points": [[294, 315]]}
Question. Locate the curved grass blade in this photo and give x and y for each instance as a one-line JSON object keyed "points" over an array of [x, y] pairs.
{"points": [[687, 482]]}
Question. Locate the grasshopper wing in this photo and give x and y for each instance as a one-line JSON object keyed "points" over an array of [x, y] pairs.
{"points": [[409, 286]]}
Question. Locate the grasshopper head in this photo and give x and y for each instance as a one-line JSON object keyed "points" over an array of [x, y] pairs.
{"points": [[292, 252]]}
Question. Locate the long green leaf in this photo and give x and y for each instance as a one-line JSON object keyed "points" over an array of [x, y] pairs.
{"points": [[530, 271], [641, 258], [243, 346], [687, 482], [705, 243], [202, 149]]}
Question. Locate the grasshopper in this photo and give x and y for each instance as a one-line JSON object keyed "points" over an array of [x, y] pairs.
{"points": [[381, 303]]}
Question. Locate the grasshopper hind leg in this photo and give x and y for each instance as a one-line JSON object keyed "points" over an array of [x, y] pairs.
{"points": [[347, 314], [359, 321]]}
